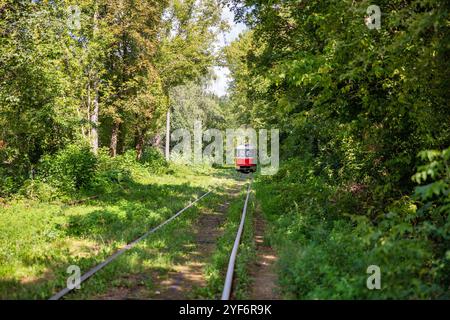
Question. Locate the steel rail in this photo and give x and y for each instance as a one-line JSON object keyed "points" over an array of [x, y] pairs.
{"points": [[230, 271], [95, 269]]}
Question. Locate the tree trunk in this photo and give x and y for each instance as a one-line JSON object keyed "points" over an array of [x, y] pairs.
{"points": [[88, 104], [156, 141], [95, 111], [94, 120], [114, 135], [139, 140], [168, 135], [121, 142]]}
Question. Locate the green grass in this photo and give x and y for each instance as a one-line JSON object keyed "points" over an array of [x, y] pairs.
{"points": [[216, 269], [39, 240]]}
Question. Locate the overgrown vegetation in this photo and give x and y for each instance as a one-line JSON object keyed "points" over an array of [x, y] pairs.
{"points": [[39, 239], [326, 245], [75, 171], [216, 270], [364, 119], [355, 107], [93, 72], [84, 91]]}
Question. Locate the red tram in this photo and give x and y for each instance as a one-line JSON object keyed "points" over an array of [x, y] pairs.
{"points": [[245, 158]]}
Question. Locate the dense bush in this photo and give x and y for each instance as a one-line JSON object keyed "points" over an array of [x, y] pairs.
{"points": [[111, 172], [354, 106], [326, 245], [40, 190], [434, 209], [154, 160], [75, 168], [7, 183], [13, 170], [70, 169]]}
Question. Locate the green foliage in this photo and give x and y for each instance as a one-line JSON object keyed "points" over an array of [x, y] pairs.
{"points": [[325, 248], [106, 83], [354, 107], [188, 31], [37, 109], [36, 189], [112, 172], [154, 161], [39, 240], [190, 103], [438, 170], [434, 208], [70, 169]]}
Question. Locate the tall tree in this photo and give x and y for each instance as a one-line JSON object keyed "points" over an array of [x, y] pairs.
{"points": [[186, 51]]}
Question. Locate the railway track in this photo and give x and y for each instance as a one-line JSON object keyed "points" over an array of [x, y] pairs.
{"points": [[231, 264], [230, 271], [129, 246]]}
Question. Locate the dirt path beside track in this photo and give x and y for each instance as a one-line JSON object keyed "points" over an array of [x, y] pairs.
{"points": [[265, 285]]}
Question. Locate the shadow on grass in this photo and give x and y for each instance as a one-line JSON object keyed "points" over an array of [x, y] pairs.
{"points": [[129, 213], [124, 216]]}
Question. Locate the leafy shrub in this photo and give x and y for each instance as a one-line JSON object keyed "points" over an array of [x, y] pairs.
{"points": [[14, 170], [434, 210], [39, 190], [326, 245], [154, 160], [111, 172], [70, 169], [7, 183]]}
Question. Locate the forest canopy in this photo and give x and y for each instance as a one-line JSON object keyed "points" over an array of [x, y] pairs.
{"points": [[96, 73]]}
